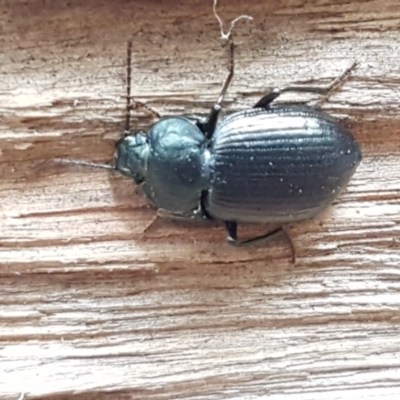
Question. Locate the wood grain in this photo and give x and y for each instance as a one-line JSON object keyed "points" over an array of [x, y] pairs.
{"points": [[94, 308]]}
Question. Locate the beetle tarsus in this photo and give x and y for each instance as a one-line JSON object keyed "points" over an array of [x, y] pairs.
{"points": [[337, 82], [149, 225], [232, 238]]}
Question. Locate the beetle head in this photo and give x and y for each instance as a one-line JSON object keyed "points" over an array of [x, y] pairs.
{"points": [[131, 157]]}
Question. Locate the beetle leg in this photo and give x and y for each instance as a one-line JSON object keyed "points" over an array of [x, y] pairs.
{"points": [[337, 82], [209, 126], [149, 225], [231, 228]]}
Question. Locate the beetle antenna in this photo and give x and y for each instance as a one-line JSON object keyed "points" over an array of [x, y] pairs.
{"points": [[227, 36], [129, 103], [67, 161], [128, 87]]}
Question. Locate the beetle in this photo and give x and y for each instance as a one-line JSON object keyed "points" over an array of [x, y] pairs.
{"points": [[272, 163], [269, 164]]}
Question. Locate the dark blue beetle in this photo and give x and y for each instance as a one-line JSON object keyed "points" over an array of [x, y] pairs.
{"points": [[269, 164]]}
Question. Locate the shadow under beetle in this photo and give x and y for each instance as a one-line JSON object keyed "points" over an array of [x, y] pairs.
{"points": [[269, 164]]}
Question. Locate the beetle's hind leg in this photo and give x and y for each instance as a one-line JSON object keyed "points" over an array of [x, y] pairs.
{"points": [[265, 101], [231, 228]]}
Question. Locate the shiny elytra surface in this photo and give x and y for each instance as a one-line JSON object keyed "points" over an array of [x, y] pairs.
{"points": [[277, 165]]}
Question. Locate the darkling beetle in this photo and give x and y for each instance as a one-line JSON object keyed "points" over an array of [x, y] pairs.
{"points": [[269, 164]]}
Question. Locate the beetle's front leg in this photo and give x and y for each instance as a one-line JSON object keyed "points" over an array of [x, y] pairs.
{"points": [[265, 101], [231, 228]]}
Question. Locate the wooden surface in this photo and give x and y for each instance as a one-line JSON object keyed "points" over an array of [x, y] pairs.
{"points": [[92, 307]]}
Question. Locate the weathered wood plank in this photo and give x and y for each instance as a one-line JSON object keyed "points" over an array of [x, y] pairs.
{"points": [[92, 307]]}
